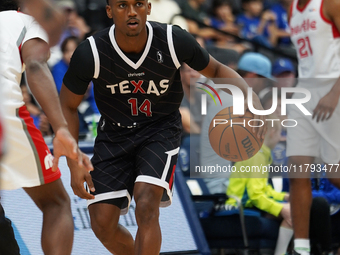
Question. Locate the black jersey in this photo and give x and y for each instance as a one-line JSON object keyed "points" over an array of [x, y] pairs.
{"points": [[132, 89]]}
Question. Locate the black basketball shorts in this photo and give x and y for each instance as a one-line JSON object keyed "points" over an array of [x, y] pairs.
{"points": [[123, 156]]}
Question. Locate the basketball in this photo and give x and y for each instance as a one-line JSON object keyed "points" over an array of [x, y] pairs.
{"points": [[231, 137]]}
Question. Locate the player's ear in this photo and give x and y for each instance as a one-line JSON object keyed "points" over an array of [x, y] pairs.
{"points": [[149, 8], [108, 11]]}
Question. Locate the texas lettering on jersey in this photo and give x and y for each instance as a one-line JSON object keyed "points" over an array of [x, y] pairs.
{"points": [[141, 86]]}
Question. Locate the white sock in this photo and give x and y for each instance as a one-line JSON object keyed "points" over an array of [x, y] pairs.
{"points": [[285, 234], [302, 246]]}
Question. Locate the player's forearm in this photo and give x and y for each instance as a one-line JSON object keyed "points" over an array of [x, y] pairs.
{"points": [[72, 119], [41, 83], [336, 88], [235, 78]]}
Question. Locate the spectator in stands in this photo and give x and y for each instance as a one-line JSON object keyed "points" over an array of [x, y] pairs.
{"points": [[75, 26], [171, 16], [197, 20], [281, 10], [255, 65], [258, 193], [223, 19], [284, 72], [192, 10], [256, 25], [68, 46]]}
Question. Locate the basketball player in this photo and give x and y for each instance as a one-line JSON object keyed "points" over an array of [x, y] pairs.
{"points": [[28, 162], [315, 27], [134, 66]]}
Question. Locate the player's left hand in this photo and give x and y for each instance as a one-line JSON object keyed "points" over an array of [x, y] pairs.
{"points": [[260, 130], [65, 145], [326, 106]]}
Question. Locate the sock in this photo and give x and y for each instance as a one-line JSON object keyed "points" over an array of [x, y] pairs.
{"points": [[285, 234], [302, 246]]}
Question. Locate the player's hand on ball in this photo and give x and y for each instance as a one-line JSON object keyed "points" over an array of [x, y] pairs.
{"points": [[79, 175], [326, 106]]}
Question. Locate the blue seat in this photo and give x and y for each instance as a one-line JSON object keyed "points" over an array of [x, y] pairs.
{"points": [[238, 228]]}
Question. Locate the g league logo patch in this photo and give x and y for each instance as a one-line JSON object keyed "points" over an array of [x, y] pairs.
{"points": [[159, 57]]}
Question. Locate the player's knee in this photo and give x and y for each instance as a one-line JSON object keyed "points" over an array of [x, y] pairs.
{"points": [[101, 225], [59, 201], [146, 211]]}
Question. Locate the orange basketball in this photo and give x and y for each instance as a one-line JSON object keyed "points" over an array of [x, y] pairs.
{"points": [[231, 136]]}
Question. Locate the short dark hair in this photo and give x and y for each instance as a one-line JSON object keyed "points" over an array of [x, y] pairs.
{"points": [[64, 43], [8, 5], [107, 2]]}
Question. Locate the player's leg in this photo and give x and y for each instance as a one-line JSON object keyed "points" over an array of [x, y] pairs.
{"points": [[104, 222], [300, 201], [155, 166], [148, 238], [113, 180], [54, 202]]}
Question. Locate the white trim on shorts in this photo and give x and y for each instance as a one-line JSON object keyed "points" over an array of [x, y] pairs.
{"points": [[112, 195], [157, 182], [168, 162]]}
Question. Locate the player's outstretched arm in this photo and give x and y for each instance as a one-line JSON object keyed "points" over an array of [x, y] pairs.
{"points": [[48, 16], [79, 175], [217, 70], [35, 53]]}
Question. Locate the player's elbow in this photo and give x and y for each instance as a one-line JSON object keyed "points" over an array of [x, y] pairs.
{"points": [[34, 65]]}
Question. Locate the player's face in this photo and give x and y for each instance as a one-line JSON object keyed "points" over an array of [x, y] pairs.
{"points": [[129, 16]]}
